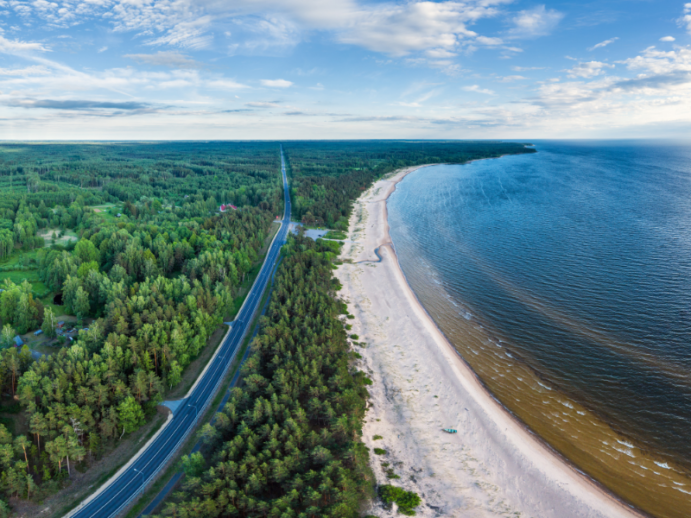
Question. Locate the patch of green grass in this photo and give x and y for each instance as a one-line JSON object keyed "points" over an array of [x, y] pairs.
{"points": [[354, 337], [18, 277], [377, 437], [335, 234], [380, 451]]}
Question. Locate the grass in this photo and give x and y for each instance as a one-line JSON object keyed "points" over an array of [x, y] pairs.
{"points": [[19, 276], [48, 233], [380, 451], [335, 234]]}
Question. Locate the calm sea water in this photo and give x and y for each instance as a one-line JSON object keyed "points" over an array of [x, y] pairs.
{"points": [[568, 271]]}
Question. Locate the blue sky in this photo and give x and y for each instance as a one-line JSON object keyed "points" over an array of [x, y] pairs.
{"points": [[282, 69]]}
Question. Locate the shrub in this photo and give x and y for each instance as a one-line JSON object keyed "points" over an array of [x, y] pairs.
{"points": [[406, 501], [379, 451], [377, 437]]}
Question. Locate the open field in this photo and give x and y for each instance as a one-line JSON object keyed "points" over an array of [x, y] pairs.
{"points": [[52, 235]]}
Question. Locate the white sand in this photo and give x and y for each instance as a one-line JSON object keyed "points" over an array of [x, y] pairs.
{"points": [[493, 466]]}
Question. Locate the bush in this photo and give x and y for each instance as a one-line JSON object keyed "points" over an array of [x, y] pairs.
{"points": [[406, 501], [379, 451], [377, 437]]}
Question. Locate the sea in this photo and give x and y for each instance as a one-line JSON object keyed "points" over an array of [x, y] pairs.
{"points": [[563, 278]]}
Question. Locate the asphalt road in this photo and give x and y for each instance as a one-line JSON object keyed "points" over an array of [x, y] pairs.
{"points": [[121, 491]]}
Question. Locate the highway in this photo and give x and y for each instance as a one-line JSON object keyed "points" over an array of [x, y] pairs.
{"points": [[120, 491]]}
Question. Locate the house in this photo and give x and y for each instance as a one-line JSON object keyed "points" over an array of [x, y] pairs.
{"points": [[18, 341], [119, 215], [61, 325], [36, 333], [226, 207]]}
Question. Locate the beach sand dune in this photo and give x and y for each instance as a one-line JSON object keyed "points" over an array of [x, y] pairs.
{"points": [[493, 466]]}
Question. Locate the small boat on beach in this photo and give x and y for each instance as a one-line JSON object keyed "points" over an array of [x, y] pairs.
{"points": [[450, 430]]}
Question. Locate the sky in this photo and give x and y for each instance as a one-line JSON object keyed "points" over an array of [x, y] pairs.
{"points": [[344, 69]]}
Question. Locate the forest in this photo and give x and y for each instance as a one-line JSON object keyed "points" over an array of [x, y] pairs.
{"points": [[287, 442], [118, 263]]}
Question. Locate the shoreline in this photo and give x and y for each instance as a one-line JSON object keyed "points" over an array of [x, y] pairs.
{"points": [[496, 464]]}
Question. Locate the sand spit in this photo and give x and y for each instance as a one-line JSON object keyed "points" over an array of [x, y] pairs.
{"points": [[493, 466]]}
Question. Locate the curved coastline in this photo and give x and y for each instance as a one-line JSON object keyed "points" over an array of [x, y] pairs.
{"points": [[514, 465]]}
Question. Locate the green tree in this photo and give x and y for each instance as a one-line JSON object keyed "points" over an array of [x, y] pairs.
{"points": [[8, 334], [49, 323], [21, 443], [86, 251], [81, 303], [130, 415]]}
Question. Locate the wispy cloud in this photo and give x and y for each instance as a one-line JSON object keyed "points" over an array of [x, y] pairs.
{"points": [[603, 44], [18, 46], [75, 104], [511, 79], [526, 69], [36, 70], [535, 22], [165, 59], [588, 69], [276, 83], [686, 17], [263, 104], [668, 38], [478, 89]]}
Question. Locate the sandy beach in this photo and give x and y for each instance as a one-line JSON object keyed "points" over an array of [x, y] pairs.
{"points": [[493, 466]]}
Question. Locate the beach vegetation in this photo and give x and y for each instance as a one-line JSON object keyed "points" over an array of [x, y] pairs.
{"points": [[406, 501], [380, 451], [377, 438]]}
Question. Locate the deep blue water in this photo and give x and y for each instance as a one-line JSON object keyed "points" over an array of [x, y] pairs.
{"points": [[578, 258]]}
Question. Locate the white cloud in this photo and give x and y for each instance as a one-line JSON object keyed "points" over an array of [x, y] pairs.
{"points": [[658, 62], [225, 84], [477, 89], [263, 104], [166, 59], [535, 22], [526, 69], [17, 46], [588, 69], [35, 70], [490, 42], [667, 38], [511, 79], [401, 29], [686, 18], [102, 49], [276, 83], [603, 44]]}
